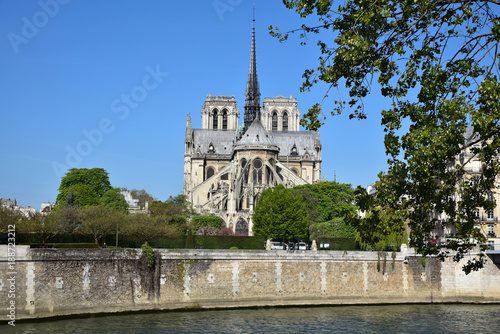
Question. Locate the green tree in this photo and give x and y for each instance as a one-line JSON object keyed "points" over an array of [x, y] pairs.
{"points": [[149, 228], [43, 226], [436, 62], [327, 204], [8, 217], [177, 210], [87, 185], [206, 221], [99, 221], [143, 196], [382, 225], [279, 214], [115, 200], [67, 218]]}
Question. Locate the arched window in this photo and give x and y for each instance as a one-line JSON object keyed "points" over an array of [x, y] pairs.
{"points": [[215, 123], [242, 227], [285, 122], [257, 171], [295, 171], [210, 172], [275, 121], [224, 119]]}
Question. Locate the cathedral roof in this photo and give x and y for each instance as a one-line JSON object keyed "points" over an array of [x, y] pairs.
{"points": [[222, 141], [304, 141], [255, 136]]}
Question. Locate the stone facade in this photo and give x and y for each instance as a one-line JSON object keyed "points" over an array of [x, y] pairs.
{"points": [[227, 166], [53, 282]]}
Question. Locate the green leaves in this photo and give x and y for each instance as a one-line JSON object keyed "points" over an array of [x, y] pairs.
{"points": [[279, 214], [89, 185], [436, 63]]}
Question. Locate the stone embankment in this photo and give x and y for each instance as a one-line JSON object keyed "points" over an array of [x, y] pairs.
{"points": [[56, 282]]}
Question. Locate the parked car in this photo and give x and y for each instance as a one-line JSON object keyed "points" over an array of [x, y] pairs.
{"points": [[301, 246], [278, 245]]}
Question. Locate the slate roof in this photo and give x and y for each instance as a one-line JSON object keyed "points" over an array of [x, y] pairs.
{"points": [[303, 140], [256, 135], [222, 140]]}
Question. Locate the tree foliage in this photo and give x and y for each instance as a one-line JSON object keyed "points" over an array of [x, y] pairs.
{"points": [[87, 185], [436, 62], [327, 204], [43, 226], [177, 210], [8, 216], [143, 196], [149, 227], [115, 200], [99, 220], [279, 214]]}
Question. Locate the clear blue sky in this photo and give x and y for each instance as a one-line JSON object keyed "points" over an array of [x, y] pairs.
{"points": [[76, 77]]}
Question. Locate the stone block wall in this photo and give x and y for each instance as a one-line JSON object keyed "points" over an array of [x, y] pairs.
{"points": [[53, 282]]}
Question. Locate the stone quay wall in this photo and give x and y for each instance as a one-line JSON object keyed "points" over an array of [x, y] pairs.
{"points": [[57, 282]]}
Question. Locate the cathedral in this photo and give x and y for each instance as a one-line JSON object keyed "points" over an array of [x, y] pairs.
{"points": [[227, 166]]}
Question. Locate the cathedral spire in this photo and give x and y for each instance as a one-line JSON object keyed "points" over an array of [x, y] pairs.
{"points": [[252, 93]]}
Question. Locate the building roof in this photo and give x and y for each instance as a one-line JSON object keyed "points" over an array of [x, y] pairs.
{"points": [[256, 135], [222, 140]]}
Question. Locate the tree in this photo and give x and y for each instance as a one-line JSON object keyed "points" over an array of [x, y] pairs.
{"points": [[43, 226], [149, 228], [436, 62], [8, 217], [115, 200], [279, 214], [327, 204], [99, 221], [198, 222], [143, 196], [68, 218], [177, 210], [87, 186]]}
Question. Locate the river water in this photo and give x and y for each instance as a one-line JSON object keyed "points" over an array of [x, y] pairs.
{"points": [[435, 318]]}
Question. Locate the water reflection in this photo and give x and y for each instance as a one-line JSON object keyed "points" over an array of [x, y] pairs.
{"points": [[335, 319]]}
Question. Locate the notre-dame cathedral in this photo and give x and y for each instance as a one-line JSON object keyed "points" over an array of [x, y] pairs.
{"points": [[228, 166]]}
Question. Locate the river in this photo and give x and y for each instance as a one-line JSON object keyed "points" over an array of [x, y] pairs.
{"points": [[435, 318]]}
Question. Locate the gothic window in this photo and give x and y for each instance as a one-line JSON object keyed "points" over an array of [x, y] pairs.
{"points": [[242, 227], [275, 121], [294, 150], [224, 176], [224, 119], [257, 171], [215, 124], [295, 171], [210, 172], [285, 122]]}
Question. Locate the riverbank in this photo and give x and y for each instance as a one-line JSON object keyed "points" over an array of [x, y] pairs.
{"points": [[65, 282]]}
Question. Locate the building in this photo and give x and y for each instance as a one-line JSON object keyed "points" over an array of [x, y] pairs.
{"points": [[486, 220], [228, 166], [12, 204], [133, 203]]}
